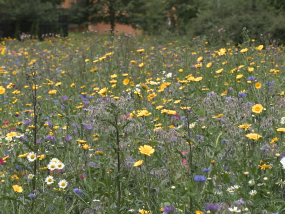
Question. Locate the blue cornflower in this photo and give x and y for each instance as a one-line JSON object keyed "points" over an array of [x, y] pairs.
{"points": [[168, 209], [242, 95], [251, 78], [78, 191], [200, 178], [212, 206], [64, 98], [31, 195], [206, 169]]}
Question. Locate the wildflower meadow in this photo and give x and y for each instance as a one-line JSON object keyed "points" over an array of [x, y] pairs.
{"points": [[121, 124]]}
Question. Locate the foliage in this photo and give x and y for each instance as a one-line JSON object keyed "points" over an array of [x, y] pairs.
{"points": [[227, 21]]}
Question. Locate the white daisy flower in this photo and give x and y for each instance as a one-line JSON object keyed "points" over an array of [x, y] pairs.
{"points": [[253, 192], [30, 176], [230, 190], [62, 184], [54, 160], [282, 161], [32, 156], [192, 125], [282, 121], [52, 166], [235, 210], [280, 183], [251, 182], [60, 165], [49, 180], [169, 75]]}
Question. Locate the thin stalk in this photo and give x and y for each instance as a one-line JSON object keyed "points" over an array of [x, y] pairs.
{"points": [[119, 164], [35, 140]]}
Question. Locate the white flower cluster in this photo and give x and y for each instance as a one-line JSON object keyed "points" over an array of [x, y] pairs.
{"points": [[50, 180], [55, 164]]}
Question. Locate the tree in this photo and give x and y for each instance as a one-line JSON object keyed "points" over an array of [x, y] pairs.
{"points": [[181, 12], [26, 15], [108, 11]]}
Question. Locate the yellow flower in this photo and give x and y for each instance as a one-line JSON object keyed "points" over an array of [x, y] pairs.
{"points": [[142, 113], [103, 92], [239, 76], [99, 153], [85, 147], [257, 108], [250, 69], [126, 81], [81, 141], [259, 48], [218, 116], [253, 136], [244, 50], [146, 150], [143, 211], [14, 177], [2, 90], [274, 140], [209, 65], [17, 188], [41, 157], [244, 126], [258, 85], [44, 168], [200, 59], [198, 212], [138, 163], [264, 167], [23, 156], [219, 71], [281, 129], [141, 64], [52, 92]]}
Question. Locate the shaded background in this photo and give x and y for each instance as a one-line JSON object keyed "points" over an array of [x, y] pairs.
{"points": [[216, 20]]}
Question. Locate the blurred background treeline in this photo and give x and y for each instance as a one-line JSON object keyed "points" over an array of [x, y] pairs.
{"points": [[215, 20]]}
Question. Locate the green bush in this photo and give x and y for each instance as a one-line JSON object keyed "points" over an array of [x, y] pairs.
{"points": [[227, 20]]}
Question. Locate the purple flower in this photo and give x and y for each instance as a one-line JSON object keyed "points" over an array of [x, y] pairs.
{"points": [[63, 99], [68, 138], [28, 121], [200, 178], [78, 191], [50, 138], [168, 209], [88, 127], [206, 170], [239, 202], [31, 195], [250, 78], [242, 95], [211, 206]]}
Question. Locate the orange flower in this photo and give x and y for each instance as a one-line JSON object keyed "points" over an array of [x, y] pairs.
{"points": [[257, 108], [258, 85]]}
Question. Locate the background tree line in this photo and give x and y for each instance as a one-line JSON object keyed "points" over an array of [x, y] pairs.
{"points": [[214, 19]]}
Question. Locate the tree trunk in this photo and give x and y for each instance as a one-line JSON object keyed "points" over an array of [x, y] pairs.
{"points": [[112, 17], [253, 4]]}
